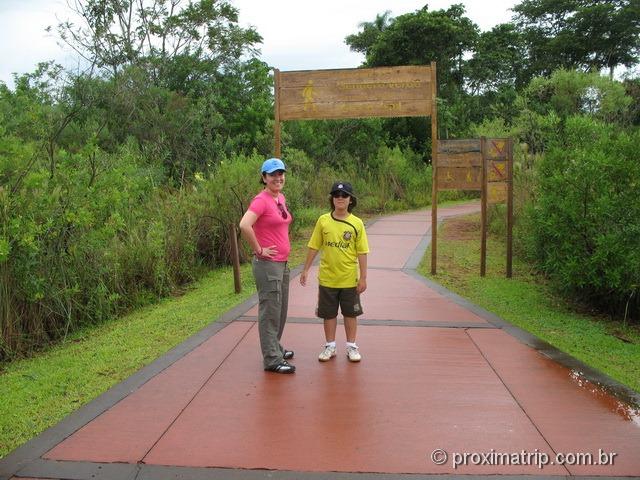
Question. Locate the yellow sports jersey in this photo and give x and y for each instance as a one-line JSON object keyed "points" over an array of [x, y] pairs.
{"points": [[340, 243]]}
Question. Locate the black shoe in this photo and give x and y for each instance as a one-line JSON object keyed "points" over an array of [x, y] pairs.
{"points": [[288, 354], [282, 367]]}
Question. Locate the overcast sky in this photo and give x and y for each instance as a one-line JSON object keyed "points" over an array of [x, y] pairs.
{"points": [[297, 34]]}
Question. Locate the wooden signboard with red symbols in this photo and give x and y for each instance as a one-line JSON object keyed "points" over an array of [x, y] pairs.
{"points": [[498, 188], [483, 164], [497, 151]]}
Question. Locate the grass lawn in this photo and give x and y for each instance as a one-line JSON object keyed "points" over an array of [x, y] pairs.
{"points": [[40, 391], [528, 302]]}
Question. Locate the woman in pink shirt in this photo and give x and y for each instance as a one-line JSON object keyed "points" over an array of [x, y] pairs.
{"points": [[265, 226]]}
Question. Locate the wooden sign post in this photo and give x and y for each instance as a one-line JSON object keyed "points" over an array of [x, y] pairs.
{"points": [[483, 165], [498, 188], [458, 166], [235, 258]]}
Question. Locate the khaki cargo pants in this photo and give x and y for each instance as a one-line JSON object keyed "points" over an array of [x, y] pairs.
{"points": [[272, 283]]}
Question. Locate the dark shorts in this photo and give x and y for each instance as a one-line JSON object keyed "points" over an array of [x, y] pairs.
{"points": [[330, 298]]}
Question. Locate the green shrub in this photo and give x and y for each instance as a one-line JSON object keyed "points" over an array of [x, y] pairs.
{"points": [[572, 92], [586, 216], [101, 233]]}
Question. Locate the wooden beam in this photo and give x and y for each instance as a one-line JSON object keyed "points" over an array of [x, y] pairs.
{"points": [[434, 167], [509, 208], [276, 114], [483, 212]]}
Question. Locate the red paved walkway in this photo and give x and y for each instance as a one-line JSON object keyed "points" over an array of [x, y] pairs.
{"points": [[436, 374]]}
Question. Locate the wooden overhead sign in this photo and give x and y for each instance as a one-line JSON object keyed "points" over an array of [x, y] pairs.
{"points": [[355, 93]]}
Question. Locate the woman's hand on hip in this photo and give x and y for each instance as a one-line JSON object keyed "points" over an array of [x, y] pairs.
{"points": [[269, 252]]}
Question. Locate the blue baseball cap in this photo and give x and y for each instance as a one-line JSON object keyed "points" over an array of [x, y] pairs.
{"points": [[272, 164]]}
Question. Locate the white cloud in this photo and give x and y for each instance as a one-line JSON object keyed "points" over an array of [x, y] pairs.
{"points": [[24, 41]]}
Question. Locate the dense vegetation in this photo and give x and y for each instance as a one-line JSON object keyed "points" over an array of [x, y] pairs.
{"points": [[118, 185]]}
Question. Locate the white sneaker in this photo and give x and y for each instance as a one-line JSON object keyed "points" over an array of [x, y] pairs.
{"points": [[353, 354], [327, 353]]}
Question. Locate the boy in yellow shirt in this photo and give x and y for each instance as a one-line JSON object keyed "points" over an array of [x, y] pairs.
{"points": [[342, 238]]}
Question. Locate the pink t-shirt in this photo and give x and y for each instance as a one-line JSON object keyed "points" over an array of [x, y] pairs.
{"points": [[271, 228]]}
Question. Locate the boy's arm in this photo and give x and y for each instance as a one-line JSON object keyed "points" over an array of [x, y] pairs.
{"points": [[362, 281], [311, 255]]}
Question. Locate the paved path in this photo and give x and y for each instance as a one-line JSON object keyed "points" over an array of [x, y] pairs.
{"points": [[438, 375]]}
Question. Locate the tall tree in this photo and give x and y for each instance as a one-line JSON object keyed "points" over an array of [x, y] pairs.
{"points": [[179, 76], [115, 34], [418, 38], [584, 34], [362, 41], [498, 60], [613, 27]]}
